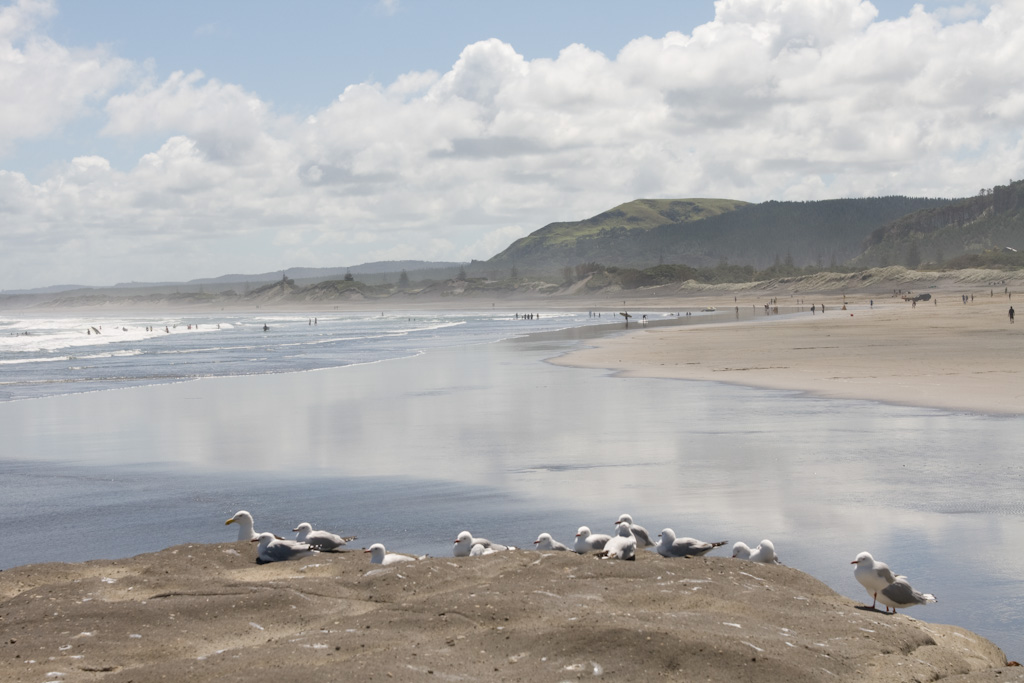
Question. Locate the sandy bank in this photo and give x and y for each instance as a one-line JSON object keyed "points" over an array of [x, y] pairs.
{"points": [[207, 612], [947, 355]]}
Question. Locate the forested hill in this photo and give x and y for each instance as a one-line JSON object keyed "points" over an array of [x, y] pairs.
{"points": [[819, 233], [992, 220]]}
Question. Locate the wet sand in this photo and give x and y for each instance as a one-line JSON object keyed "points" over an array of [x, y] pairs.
{"points": [[209, 613], [950, 355]]}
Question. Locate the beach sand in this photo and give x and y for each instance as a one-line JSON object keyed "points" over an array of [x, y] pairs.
{"points": [[950, 355], [209, 613]]}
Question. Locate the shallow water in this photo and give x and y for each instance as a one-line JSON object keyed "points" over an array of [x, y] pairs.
{"points": [[492, 439]]}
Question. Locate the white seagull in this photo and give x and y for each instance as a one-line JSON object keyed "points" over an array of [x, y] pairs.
{"points": [[763, 553], [545, 542], [586, 541], [873, 575], [273, 549], [741, 551], [464, 544], [643, 538], [378, 555], [622, 545], [886, 587], [671, 546], [320, 540], [244, 521]]}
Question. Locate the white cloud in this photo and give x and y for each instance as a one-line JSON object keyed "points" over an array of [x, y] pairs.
{"points": [[774, 99], [44, 85], [22, 17], [224, 119]]}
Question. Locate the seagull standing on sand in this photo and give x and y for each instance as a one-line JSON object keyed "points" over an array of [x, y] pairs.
{"points": [[643, 539], [671, 546], [464, 544], [586, 541], [378, 555], [873, 575], [885, 587], [545, 542], [320, 540], [273, 549], [622, 545], [244, 521], [763, 553]]}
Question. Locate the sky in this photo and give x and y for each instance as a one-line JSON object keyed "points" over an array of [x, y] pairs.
{"points": [[166, 141]]}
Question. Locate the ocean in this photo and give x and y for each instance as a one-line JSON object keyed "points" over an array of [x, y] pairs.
{"points": [[408, 428]]}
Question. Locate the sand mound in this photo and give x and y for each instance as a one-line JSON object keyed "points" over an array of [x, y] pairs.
{"points": [[207, 612]]}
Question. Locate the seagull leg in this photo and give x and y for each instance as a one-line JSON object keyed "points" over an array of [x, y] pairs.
{"points": [[874, 599]]}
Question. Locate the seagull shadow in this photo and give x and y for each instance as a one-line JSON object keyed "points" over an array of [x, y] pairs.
{"points": [[865, 608]]}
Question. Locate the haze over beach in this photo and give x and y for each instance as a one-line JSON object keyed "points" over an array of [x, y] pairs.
{"points": [[743, 269]]}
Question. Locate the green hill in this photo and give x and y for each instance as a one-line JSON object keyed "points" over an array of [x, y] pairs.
{"points": [[707, 232], [638, 215]]}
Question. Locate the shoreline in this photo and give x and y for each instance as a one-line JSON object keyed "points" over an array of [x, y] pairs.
{"points": [[940, 354]]}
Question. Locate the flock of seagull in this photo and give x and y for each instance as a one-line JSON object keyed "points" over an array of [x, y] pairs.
{"points": [[881, 583]]}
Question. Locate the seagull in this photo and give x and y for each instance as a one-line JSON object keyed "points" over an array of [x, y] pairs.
{"points": [[873, 575], [622, 545], [320, 540], [900, 593], [586, 541], [545, 542], [741, 551], [763, 553], [380, 556], [272, 549], [671, 546], [244, 521], [478, 550], [465, 542], [643, 539]]}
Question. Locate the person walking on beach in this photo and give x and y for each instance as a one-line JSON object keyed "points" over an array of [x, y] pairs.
{"points": [[1011, 314]]}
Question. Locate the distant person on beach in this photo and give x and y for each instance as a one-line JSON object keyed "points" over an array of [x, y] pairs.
{"points": [[1011, 314]]}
